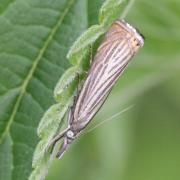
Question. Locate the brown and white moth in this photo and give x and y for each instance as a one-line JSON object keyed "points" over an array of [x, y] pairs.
{"points": [[120, 44]]}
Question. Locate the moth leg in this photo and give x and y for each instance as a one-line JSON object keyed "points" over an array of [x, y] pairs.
{"points": [[56, 139], [63, 148], [90, 59], [70, 114], [79, 87], [91, 54]]}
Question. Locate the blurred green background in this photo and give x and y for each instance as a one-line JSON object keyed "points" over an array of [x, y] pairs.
{"points": [[144, 142]]}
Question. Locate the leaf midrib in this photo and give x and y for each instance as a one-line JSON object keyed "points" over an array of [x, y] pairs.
{"points": [[25, 83]]}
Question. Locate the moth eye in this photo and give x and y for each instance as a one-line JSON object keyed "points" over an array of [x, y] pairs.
{"points": [[138, 43]]}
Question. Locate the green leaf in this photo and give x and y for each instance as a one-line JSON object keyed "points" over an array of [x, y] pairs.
{"points": [[40, 171], [66, 84], [65, 88], [110, 10], [51, 119], [6, 158], [47, 129], [35, 36], [87, 38]]}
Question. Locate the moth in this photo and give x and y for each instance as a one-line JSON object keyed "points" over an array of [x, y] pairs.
{"points": [[120, 44]]}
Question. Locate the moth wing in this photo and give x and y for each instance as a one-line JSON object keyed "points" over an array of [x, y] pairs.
{"points": [[111, 59]]}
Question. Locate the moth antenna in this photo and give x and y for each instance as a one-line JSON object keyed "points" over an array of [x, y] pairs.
{"points": [[108, 119]]}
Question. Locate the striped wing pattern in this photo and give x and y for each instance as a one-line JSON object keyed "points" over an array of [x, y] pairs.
{"points": [[111, 59]]}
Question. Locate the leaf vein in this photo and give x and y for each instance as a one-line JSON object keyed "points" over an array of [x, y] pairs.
{"points": [[33, 98], [33, 68]]}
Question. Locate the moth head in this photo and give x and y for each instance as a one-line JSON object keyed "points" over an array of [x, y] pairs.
{"points": [[70, 134], [139, 37], [136, 36]]}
